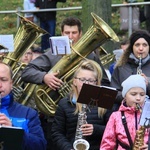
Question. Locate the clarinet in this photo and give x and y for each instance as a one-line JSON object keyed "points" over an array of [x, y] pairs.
{"points": [[0, 100], [139, 68]]}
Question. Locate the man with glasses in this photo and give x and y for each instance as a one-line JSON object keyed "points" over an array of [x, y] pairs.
{"points": [[27, 56]]}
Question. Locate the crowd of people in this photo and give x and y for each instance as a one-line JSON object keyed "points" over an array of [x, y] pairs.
{"points": [[104, 129]]}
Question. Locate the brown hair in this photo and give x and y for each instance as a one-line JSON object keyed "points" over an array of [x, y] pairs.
{"points": [[71, 21]]}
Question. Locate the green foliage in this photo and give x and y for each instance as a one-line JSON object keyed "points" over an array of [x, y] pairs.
{"points": [[9, 22]]}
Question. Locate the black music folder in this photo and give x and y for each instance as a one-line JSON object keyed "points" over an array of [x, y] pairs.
{"points": [[11, 138], [100, 96]]}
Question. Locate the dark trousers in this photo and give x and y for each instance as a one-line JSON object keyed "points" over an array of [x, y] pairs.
{"points": [[49, 26], [46, 123]]}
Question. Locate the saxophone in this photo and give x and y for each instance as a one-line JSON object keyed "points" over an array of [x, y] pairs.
{"points": [[139, 138], [80, 143]]}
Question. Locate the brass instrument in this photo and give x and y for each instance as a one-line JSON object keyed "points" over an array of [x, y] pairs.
{"points": [[27, 34], [105, 57], [139, 68], [98, 33], [139, 139], [80, 143]]}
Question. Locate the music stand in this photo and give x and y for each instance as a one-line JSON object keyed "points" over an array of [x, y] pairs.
{"points": [[11, 138], [60, 45], [100, 96]]}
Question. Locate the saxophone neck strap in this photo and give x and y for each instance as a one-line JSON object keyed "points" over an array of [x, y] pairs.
{"points": [[124, 122]]}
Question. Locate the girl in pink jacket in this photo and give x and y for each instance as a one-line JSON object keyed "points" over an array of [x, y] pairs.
{"points": [[121, 128]]}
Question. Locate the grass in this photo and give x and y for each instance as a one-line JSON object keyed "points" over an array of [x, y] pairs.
{"points": [[8, 21]]}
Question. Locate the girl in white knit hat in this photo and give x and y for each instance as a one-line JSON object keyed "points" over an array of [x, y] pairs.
{"points": [[121, 128]]}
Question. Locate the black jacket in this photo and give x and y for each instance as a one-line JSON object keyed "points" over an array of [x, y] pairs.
{"points": [[65, 122], [123, 72], [47, 4]]}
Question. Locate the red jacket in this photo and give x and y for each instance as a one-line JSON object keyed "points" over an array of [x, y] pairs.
{"points": [[115, 130]]}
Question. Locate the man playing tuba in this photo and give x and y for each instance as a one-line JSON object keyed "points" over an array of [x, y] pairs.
{"points": [[37, 70]]}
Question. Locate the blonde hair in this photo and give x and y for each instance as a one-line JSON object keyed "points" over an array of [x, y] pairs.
{"points": [[96, 69]]}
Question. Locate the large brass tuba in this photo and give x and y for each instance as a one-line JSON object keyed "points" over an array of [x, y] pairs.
{"points": [[26, 35], [97, 34]]}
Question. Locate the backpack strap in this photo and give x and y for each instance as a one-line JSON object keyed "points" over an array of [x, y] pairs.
{"points": [[124, 122]]}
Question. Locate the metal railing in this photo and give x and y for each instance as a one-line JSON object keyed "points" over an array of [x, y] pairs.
{"points": [[130, 5]]}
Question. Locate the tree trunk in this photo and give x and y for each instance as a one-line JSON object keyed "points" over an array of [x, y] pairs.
{"points": [[100, 7]]}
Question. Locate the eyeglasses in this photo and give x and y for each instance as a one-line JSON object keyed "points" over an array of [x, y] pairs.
{"points": [[83, 80], [28, 53]]}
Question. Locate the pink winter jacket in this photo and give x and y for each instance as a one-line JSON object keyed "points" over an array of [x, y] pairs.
{"points": [[115, 130]]}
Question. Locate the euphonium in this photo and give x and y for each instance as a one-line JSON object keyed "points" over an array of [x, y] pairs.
{"points": [[47, 99], [26, 35], [80, 143]]}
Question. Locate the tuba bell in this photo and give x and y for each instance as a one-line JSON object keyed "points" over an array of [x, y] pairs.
{"points": [[47, 99], [27, 34]]}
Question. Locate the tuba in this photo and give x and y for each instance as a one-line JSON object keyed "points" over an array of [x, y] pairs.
{"points": [[47, 99], [105, 57], [26, 35]]}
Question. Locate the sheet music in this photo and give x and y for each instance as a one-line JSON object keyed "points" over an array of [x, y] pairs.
{"points": [[60, 45], [145, 116], [107, 87], [8, 42], [11, 127]]}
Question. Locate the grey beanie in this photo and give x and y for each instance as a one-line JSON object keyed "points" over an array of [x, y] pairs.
{"points": [[133, 81]]}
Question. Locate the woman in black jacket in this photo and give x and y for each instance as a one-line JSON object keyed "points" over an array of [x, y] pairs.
{"points": [[66, 117], [135, 60]]}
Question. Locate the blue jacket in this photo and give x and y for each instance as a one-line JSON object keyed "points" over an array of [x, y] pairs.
{"points": [[27, 119]]}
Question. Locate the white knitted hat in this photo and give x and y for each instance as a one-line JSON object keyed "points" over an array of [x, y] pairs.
{"points": [[133, 81]]}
